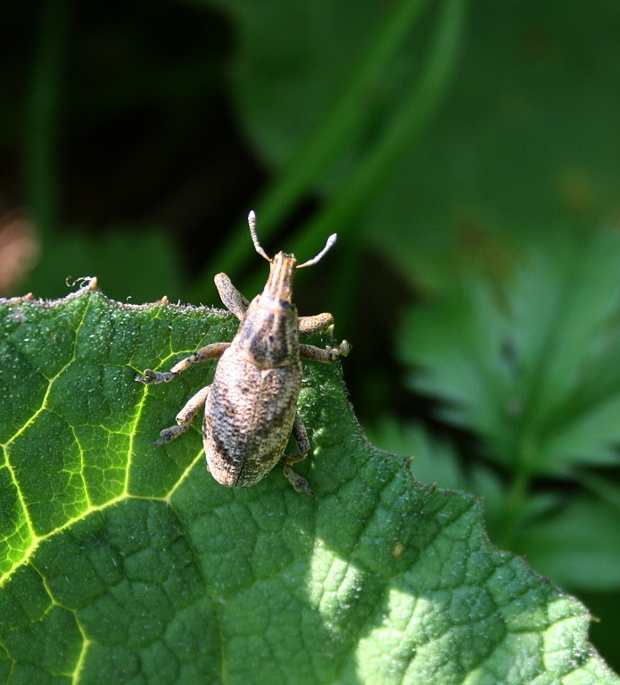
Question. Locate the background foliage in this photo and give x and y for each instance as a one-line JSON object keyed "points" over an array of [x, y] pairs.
{"points": [[465, 153]]}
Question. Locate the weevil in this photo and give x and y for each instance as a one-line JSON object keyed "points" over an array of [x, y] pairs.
{"points": [[250, 408]]}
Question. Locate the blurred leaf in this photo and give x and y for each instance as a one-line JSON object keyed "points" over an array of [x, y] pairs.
{"points": [[604, 488], [526, 137], [579, 547], [431, 461], [369, 106], [532, 371], [299, 72], [123, 563]]}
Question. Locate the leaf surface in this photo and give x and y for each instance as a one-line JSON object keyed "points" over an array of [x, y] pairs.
{"points": [[122, 562]]}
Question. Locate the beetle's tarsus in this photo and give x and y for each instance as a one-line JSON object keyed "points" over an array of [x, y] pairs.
{"points": [[298, 482], [325, 355], [341, 350], [304, 487], [154, 377], [169, 434]]}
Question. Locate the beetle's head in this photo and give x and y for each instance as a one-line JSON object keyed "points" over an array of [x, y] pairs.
{"points": [[282, 265]]}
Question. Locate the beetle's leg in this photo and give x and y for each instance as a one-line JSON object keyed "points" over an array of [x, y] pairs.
{"points": [[230, 296], [315, 324], [303, 445], [185, 417], [329, 354], [212, 351], [298, 482], [301, 439]]}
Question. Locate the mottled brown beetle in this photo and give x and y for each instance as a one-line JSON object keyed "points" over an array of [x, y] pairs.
{"points": [[250, 409]]}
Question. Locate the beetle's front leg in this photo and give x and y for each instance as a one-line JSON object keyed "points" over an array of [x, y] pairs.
{"points": [[185, 417], [303, 445], [230, 296], [326, 355], [212, 351]]}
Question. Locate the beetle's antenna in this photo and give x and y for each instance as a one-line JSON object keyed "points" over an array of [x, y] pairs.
{"points": [[330, 241], [257, 245]]}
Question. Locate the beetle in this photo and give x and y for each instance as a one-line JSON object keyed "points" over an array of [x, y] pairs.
{"points": [[250, 408]]}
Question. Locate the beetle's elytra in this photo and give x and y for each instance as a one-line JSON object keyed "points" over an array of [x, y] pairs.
{"points": [[250, 408]]}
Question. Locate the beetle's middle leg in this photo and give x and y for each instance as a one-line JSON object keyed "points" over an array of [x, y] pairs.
{"points": [[212, 351], [185, 417], [303, 445]]}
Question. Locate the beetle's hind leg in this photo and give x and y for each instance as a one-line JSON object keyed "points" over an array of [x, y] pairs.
{"points": [[185, 417], [303, 445]]}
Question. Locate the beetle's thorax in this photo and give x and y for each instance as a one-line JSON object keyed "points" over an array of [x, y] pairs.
{"points": [[268, 335], [280, 282]]}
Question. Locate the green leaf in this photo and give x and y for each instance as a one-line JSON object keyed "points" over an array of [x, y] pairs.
{"points": [[122, 562], [522, 140], [313, 51], [431, 461], [532, 370], [578, 546], [352, 94], [575, 543]]}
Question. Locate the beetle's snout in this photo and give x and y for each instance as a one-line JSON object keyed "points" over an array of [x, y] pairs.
{"points": [[281, 272]]}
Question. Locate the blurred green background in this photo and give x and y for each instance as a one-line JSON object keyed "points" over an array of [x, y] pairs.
{"points": [[467, 154]]}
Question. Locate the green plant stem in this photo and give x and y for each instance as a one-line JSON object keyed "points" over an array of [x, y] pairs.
{"points": [[402, 131], [41, 134], [395, 143], [602, 487], [318, 150], [517, 491], [515, 501]]}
